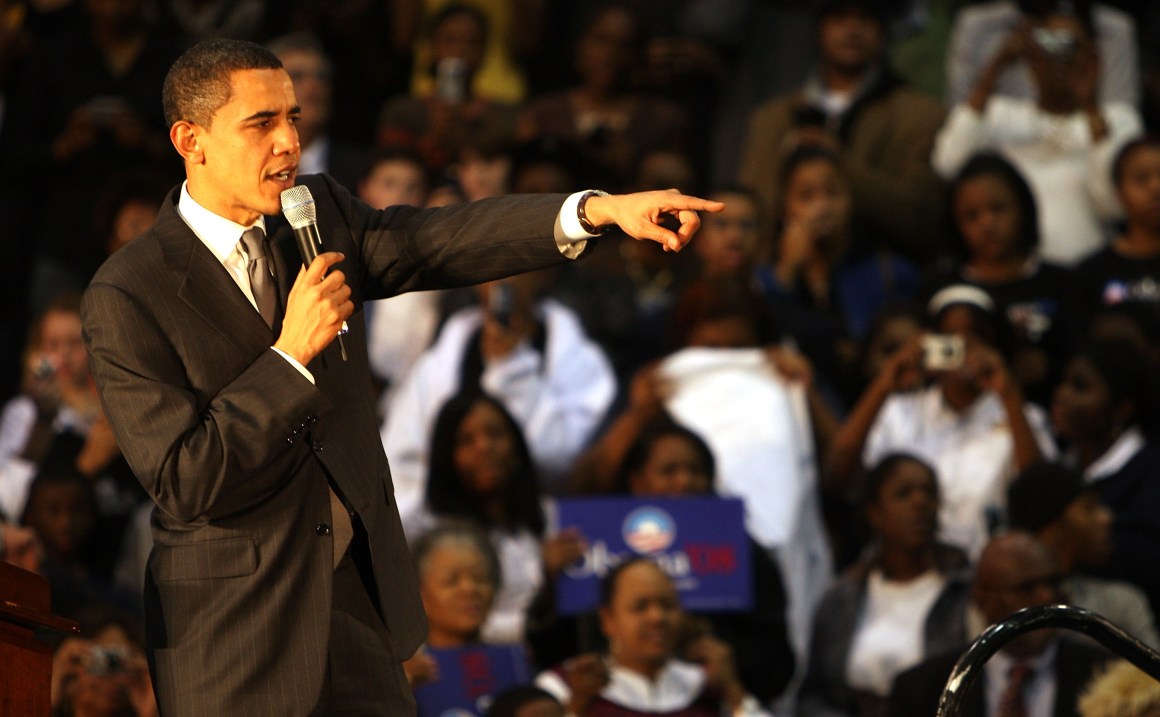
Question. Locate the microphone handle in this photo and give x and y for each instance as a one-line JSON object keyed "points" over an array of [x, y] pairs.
{"points": [[309, 246]]}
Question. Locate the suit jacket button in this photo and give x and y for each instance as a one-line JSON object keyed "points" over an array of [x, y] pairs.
{"points": [[317, 446], [322, 529]]}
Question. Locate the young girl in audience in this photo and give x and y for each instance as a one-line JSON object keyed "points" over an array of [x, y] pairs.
{"points": [[1128, 270], [996, 227], [904, 600], [641, 618], [825, 282], [970, 421], [1105, 412], [481, 471]]}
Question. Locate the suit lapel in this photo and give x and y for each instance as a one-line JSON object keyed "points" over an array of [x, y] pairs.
{"points": [[207, 288]]}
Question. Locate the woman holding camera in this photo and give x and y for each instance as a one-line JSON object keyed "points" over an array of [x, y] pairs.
{"points": [[948, 397], [1063, 141]]}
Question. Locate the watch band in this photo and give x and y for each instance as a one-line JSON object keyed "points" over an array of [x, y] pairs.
{"points": [[582, 216]]}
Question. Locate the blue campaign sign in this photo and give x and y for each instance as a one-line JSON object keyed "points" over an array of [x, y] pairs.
{"points": [[700, 542], [469, 677]]}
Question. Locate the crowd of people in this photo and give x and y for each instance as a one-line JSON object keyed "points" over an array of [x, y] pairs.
{"points": [[921, 342]]}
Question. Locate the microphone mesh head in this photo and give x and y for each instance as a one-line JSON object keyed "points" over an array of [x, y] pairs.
{"points": [[298, 206]]}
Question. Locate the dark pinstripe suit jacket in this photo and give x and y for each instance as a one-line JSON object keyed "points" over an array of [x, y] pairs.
{"points": [[234, 445]]}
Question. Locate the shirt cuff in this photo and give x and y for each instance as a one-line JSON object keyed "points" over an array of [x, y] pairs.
{"points": [[570, 236], [294, 362]]}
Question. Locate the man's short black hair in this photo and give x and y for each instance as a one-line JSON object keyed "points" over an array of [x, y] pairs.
{"points": [[198, 83]]}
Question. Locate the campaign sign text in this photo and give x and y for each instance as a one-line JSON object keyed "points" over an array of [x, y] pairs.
{"points": [[470, 677], [700, 542]]}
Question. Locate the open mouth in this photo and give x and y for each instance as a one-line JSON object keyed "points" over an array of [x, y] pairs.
{"points": [[285, 176]]}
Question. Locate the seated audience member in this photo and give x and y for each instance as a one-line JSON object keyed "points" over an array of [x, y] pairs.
{"points": [[436, 121], [604, 114], [1054, 503], [964, 415], [641, 618], [729, 243], [903, 601], [826, 280], [481, 470], [526, 701], [658, 457], [981, 29], [312, 73], [765, 437], [1104, 412], [1121, 690], [57, 410], [1039, 673], [1127, 271], [1062, 141], [76, 547], [995, 227], [528, 351], [459, 576], [104, 673], [399, 329], [854, 106]]}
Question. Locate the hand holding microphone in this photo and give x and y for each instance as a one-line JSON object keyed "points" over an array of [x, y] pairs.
{"points": [[319, 302]]}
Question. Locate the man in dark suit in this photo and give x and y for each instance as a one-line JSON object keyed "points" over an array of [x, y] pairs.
{"points": [[280, 582], [1037, 674]]}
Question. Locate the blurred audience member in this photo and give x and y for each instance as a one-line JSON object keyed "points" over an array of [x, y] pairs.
{"points": [[1127, 271], [970, 422], [481, 470], [528, 351], [438, 120], [605, 115], [825, 280], [855, 107], [1122, 690], [1037, 673], [58, 413], [1054, 503], [641, 617], [515, 28], [191, 21], [903, 601], [981, 29], [401, 328], [88, 102], [647, 454], [995, 227], [730, 242], [1062, 140], [312, 72], [104, 673], [1104, 412], [459, 576]]}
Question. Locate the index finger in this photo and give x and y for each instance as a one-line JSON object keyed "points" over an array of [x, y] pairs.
{"points": [[678, 202], [321, 264]]}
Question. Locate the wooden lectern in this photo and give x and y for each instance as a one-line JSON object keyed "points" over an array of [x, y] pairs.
{"points": [[25, 610]]}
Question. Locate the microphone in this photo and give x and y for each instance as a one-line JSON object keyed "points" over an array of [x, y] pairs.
{"points": [[298, 208]]}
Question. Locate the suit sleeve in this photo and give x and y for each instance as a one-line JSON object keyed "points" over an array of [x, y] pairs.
{"points": [[197, 462], [407, 249]]}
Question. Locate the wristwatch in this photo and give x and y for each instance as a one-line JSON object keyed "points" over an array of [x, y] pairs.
{"points": [[581, 215]]}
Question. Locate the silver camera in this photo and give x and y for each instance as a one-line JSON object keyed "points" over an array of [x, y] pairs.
{"points": [[943, 352]]}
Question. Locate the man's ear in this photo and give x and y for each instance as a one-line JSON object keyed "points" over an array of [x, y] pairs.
{"points": [[184, 136]]}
